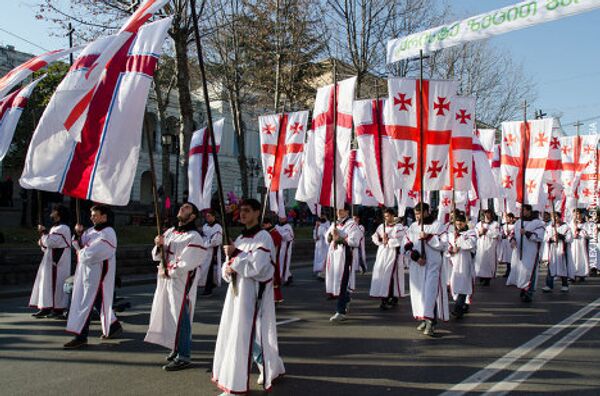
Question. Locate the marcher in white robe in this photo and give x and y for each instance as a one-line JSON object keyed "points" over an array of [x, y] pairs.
{"points": [[94, 281], [48, 294], [342, 257], [387, 282], [524, 269], [285, 252], [547, 219], [248, 331], [461, 244], [486, 257], [212, 232], [428, 296], [505, 249], [362, 252], [580, 245], [557, 238], [172, 314], [321, 246]]}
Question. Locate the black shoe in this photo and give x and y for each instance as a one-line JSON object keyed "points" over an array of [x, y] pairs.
{"points": [[177, 365], [466, 308], [525, 297], [393, 302], [383, 306], [593, 272], [207, 292], [115, 331], [42, 313], [75, 343], [429, 328], [486, 282], [289, 281], [55, 315], [171, 356]]}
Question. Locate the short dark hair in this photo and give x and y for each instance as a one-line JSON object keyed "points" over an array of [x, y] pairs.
{"points": [[528, 207], [210, 211], [421, 207], [510, 214], [103, 209], [63, 212], [389, 211], [195, 210], [252, 203], [460, 217]]}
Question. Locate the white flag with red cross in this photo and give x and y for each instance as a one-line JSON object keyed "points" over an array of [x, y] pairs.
{"points": [[282, 147], [376, 148], [358, 191], [405, 119], [201, 165], [407, 199], [487, 140], [316, 181], [24, 70], [524, 153], [484, 181], [576, 153], [102, 166], [448, 199], [11, 108], [588, 182], [461, 143]]}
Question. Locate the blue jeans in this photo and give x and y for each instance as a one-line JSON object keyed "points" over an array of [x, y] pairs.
{"points": [[550, 281], [184, 338]]}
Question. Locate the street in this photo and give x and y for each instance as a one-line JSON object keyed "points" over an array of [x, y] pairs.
{"points": [[502, 346]]}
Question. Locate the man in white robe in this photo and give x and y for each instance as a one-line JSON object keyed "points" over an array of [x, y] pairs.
{"points": [[48, 294], [461, 244], [321, 246], [424, 245], [387, 282], [342, 257], [248, 331], [94, 281], [362, 252], [212, 232], [523, 272], [285, 252], [505, 249], [486, 257], [580, 245], [172, 314], [558, 238]]}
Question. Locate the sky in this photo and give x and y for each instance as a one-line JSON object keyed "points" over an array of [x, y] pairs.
{"points": [[562, 57]]}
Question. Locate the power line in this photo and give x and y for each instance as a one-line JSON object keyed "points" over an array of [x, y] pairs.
{"points": [[24, 39]]}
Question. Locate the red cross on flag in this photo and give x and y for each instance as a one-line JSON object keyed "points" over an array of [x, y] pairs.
{"points": [[316, 181], [586, 191], [102, 166], [552, 176], [408, 199], [576, 153], [525, 149], [402, 127], [461, 143], [358, 191], [282, 147], [11, 108], [24, 70], [201, 165]]}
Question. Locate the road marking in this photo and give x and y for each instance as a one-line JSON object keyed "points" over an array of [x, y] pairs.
{"points": [[288, 321], [502, 363], [529, 368]]}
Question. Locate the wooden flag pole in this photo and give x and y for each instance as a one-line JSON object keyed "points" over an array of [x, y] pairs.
{"points": [[378, 119], [421, 149], [335, 208], [577, 146], [70, 32], [523, 169]]}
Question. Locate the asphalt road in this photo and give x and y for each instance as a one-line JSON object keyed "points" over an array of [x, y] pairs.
{"points": [[503, 346]]}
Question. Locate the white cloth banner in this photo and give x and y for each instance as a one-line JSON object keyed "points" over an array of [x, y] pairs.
{"points": [[493, 23]]}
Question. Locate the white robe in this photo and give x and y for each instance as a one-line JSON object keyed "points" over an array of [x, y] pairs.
{"points": [[336, 256], [48, 290], [246, 318], [505, 249], [321, 246], [560, 262], [462, 264], [389, 263], [186, 256], [486, 257], [362, 257], [285, 251], [213, 240], [580, 248], [427, 285], [523, 271], [95, 275]]}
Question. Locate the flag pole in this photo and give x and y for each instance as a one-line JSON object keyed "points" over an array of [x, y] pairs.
{"points": [[210, 130], [335, 208], [378, 120], [70, 32], [523, 169], [577, 147], [421, 148]]}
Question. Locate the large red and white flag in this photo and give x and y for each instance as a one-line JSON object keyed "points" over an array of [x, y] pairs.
{"points": [[102, 166], [524, 153], [487, 140], [24, 70], [576, 153], [403, 121], [201, 165], [142, 14], [376, 149], [316, 181], [357, 188], [408, 199], [461, 143], [483, 179], [282, 148], [11, 108], [586, 191]]}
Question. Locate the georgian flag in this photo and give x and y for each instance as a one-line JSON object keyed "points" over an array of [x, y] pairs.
{"points": [[201, 165], [525, 148], [588, 182], [316, 180], [11, 108], [358, 191], [445, 205], [102, 166], [402, 125], [282, 148], [461, 143], [24, 70], [576, 153], [484, 181]]}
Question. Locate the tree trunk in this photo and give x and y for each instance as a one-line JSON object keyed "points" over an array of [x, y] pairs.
{"points": [[165, 152], [234, 105]]}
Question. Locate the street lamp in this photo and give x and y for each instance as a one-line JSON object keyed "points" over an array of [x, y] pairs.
{"points": [[169, 140], [253, 167]]}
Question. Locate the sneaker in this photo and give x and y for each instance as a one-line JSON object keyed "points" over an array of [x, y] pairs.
{"points": [[261, 379], [42, 313], [593, 272], [383, 306], [564, 289], [115, 332], [177, 365], [546, 289], [75, 343], [171, 356], [421, 326], [338, 317], [429, 328], [207, 293]]}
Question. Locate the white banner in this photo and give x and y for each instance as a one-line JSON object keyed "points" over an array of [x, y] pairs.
{"points": [[493, 23]]}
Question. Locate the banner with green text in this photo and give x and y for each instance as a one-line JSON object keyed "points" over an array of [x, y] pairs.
{"points": [[518, 16]]}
